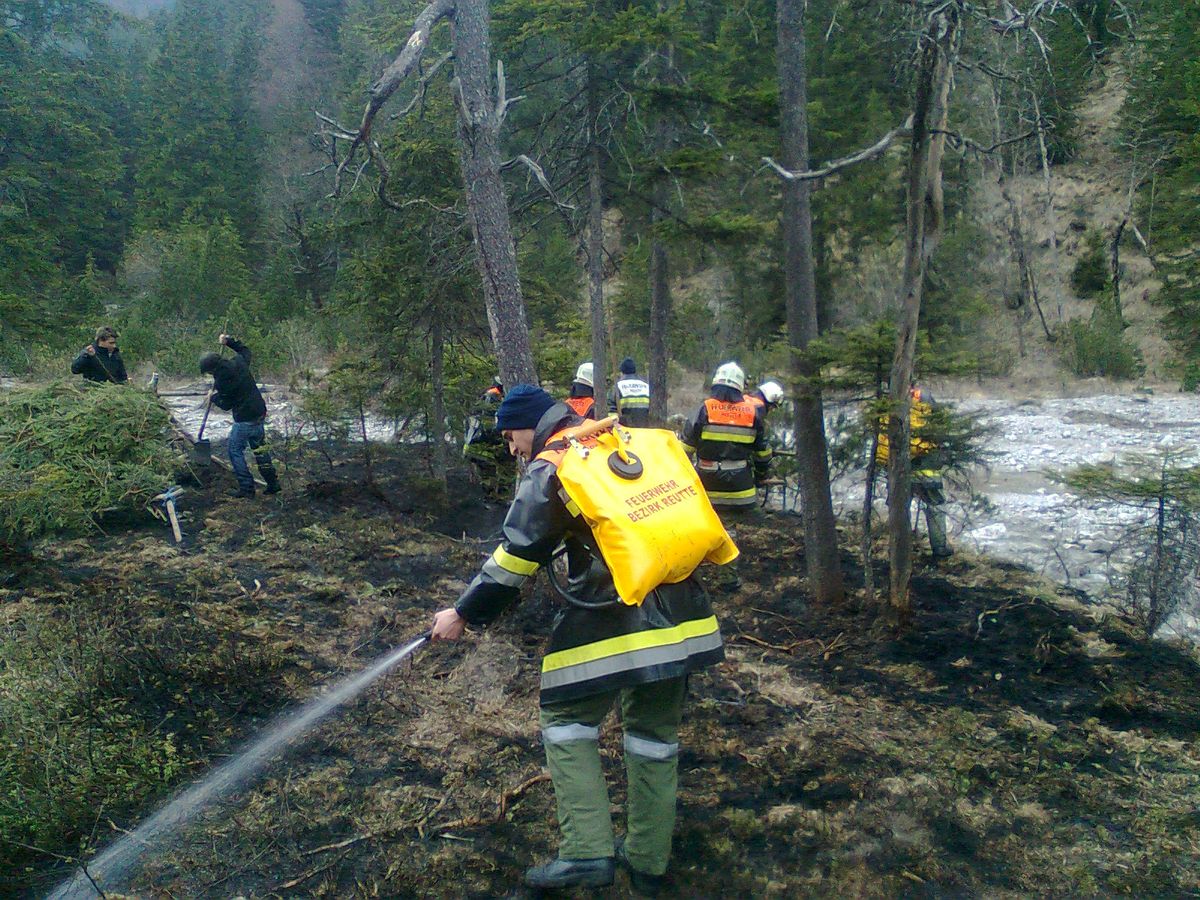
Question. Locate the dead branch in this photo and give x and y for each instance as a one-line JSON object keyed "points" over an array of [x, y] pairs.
{"points": [[961, 142], [506, 798], [503, 102], [781, 648], [422, 87], [539, 174], [389, 82], [875, 151], [303, 877]]}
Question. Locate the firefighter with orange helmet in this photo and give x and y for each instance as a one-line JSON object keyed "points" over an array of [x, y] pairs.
{"points": [[484, 447]]}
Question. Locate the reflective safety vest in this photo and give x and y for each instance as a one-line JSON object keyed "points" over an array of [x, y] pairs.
{"points": [[633, 401], [729, 440], [585, 407], [919, 412], [755, 400]]}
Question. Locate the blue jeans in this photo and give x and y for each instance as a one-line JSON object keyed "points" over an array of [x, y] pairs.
{"points": [[252, 435]]}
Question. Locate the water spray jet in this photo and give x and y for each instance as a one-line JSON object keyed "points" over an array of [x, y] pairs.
{"points": [[115, 865]]}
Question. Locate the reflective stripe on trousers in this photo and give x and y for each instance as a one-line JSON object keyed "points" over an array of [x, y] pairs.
{"points": [[650, 715]]}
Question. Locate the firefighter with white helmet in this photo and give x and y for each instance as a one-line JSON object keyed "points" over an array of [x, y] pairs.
{"points": [[582, 398], [727, 436], [768, 395]]}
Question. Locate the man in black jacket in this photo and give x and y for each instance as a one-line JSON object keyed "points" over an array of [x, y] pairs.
{"points": [[100, 361], [234, 389]]}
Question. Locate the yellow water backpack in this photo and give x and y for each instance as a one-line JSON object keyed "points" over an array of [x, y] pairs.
{"points": [[638, 493]]}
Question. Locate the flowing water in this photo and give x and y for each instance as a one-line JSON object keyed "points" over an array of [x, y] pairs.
{"points": [[1040, 524], [112, 868]]}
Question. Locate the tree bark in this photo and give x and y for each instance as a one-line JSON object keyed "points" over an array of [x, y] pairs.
{"points": [[660, 285], [437, 431], [660, 310], [923, 193], [595, 251], [820, 528], [1055, 281], [479, 122], [1115, 263], [1020, 248]]}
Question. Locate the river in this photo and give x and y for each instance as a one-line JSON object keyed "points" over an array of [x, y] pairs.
{"points": [[1041, 525]]}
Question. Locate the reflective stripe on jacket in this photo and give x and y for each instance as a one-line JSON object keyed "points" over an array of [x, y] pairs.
{"points": [[728, 438], [631, 402], [672, 633]]}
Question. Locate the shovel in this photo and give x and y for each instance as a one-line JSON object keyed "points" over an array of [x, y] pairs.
{"points": [[201, 448]]}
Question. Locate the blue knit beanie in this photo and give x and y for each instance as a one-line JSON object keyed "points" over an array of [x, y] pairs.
{"points": [[628, 366], [523, 407]]}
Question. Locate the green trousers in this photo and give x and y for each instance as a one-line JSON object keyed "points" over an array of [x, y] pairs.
{"points": [[650, 714]]}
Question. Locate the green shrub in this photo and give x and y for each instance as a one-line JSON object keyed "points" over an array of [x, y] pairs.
{"points": [[1098, 347], [67, 752], [1090, 277]]}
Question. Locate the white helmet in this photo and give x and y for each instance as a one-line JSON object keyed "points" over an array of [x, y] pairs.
{"points": [[584, 374], [731, 375], [771, 392]]}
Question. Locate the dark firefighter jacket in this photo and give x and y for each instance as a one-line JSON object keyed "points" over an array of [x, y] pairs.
{"points": [[482, 428], [673, 632], [235, 386], [630, 400], [920, 448], [728, 437], [104, 366], [582, 401]]}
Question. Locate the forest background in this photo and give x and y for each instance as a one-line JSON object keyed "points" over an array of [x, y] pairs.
{"points": [[163, 169]]}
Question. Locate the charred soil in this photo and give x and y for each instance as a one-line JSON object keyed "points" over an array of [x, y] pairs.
{"points": [[1015, 740]]}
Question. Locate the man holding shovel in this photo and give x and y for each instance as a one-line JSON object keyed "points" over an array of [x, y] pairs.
{"points": [[234, 389]]}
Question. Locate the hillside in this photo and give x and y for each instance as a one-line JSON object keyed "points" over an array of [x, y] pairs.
{"points": [[1013, 742]]}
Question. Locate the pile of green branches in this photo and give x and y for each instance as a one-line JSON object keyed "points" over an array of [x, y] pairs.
{"points": [[70, 452]]}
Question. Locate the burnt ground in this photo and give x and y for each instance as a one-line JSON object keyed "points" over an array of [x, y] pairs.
{"points": [[1014, 741]]}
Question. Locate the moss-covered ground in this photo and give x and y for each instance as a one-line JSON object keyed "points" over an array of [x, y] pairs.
{"points": [[1014, 741]]}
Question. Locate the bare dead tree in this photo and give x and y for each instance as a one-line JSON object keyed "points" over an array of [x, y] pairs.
{"points": [[937, 46], [481, 114], [437, 375], [660, 285]]}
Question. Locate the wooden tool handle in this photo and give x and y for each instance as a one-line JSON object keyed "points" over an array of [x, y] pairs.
{"points": [[587, 429]]}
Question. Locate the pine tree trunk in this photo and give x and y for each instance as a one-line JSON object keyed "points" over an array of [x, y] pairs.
{"points": [[660, 314], [487, 205], [820, 530], [1055, 281], [923, 193], [437, 430], [660, 286], [595, 252]]}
